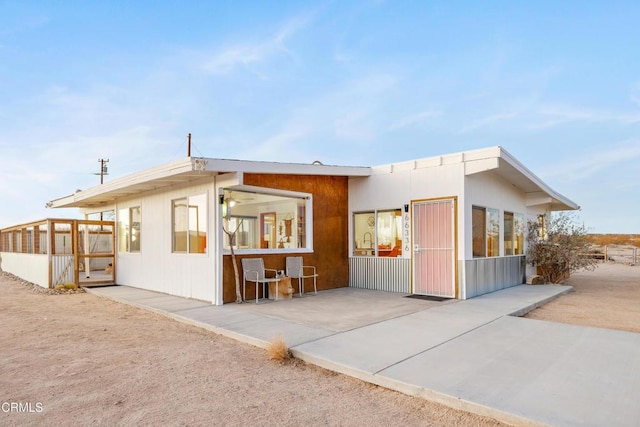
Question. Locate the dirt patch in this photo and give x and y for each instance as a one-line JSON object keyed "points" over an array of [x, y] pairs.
{"points": [[85, 360], [608, 297]]}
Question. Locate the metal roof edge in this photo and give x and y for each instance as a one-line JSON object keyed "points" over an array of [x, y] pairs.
{"points": [[504, 154], [206, 166]]}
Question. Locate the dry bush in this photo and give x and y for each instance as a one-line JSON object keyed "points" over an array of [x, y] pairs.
{"points": [[557, 250], [277, 349]]}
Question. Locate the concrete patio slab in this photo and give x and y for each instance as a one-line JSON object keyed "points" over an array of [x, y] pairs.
{"points": [[342, 309], [250, 328], [550, 373], [375, 347]]}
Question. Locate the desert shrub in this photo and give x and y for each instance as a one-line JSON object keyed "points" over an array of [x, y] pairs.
{"points": [[277, 349], [70, 285], [559, 249]]}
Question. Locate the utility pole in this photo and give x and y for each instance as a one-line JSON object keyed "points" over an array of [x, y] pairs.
{"points": [[103, 169]]}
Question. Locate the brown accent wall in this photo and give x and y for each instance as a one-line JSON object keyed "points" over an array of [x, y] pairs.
{"points": [[330, 232]]}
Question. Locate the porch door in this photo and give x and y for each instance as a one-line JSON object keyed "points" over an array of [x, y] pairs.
{"points": [[434, 248]]}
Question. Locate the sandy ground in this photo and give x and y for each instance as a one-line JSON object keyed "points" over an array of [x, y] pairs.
{"points": [[78, 359], [608, 297]]}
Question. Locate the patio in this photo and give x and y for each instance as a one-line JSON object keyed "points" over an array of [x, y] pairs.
{"points": [[341, 309]]}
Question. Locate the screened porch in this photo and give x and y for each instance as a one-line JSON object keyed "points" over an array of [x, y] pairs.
{"points": [[53, 252]]}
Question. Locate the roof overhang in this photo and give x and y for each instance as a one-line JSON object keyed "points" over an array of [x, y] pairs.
{"points": [[498, 161], [191, 169]]}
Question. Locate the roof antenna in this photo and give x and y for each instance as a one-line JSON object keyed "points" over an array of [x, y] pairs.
{"points": [[189, 145]]}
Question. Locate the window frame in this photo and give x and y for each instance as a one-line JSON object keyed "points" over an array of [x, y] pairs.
{"points": [[306, 218], [126, 236], [517, 234], [373, 224], [201, 225], [490, 236]]}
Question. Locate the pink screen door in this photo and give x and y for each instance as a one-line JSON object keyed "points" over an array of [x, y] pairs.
{"points": [[434, 248]]}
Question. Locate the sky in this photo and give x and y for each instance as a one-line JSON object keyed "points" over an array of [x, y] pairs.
{"points": [[358, 83]]}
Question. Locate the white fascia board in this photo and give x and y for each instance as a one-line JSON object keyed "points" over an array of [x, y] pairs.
{"points": [[118, 185], [247, 166], [187, 169], [435, 161]]}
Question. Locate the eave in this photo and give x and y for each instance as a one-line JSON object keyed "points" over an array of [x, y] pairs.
{"points": [[186, 170]]}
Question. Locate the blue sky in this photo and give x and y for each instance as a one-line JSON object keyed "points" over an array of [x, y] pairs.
{"points": [[557, 84]]}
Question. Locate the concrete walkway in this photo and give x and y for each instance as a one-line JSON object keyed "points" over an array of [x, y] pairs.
{"points": [[472, 355]]}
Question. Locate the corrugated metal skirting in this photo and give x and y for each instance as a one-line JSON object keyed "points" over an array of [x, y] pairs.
{"points": [[380, 274], [63, 269], [485, 275]]}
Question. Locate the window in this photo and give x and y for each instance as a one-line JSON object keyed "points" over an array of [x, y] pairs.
{"points": [[378, 233], [129, 229], [542, 227], [189, 227], [265, 221], [135, 218], [513, 233], [485, 224], [102, 216]]}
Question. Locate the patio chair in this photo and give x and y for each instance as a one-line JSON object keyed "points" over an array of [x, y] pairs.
{"points": [[253, 271], [296, 270]]}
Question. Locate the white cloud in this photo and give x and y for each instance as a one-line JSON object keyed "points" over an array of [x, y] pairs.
{"points": [[414, 119], [354, 125], [282, 146], [558, 115], [594, 162], [248, 54], [634, 93], [488, 121]]}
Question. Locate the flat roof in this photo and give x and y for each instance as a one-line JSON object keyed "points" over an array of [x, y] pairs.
{"points": [[191, 169], [500, 162], [493, 159]]}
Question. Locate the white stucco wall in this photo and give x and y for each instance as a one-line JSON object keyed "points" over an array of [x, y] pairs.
{"points": [[490, 191], [156, 267], [33, 268], [392, 187]]}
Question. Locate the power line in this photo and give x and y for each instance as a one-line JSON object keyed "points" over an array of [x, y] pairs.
{"points": [[103, 169]]}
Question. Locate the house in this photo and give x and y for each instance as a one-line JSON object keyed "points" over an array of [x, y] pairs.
{"points": [[458, 221], [450, 226]]}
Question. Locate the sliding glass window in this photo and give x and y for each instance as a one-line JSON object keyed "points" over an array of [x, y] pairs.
{"points": [[378, 233]]}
